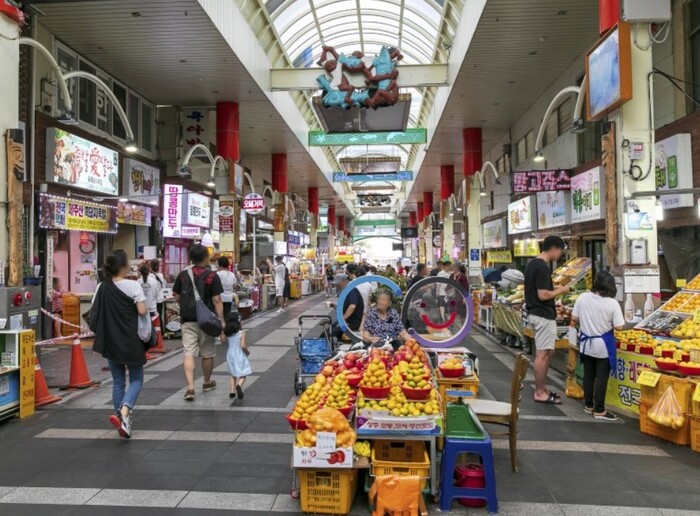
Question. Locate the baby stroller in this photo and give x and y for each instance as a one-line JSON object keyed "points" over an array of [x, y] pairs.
{"points": [[312, 352]]}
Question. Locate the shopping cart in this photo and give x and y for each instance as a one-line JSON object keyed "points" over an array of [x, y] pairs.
{"points": [[312, 352]]}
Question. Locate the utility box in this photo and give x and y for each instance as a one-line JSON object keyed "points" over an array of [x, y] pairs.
{"points": [[640, 11]]}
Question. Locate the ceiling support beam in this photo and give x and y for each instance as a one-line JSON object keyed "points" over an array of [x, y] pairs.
{"points": [[416, 76]]}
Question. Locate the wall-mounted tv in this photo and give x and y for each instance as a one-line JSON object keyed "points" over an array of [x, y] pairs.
{"points": [[609, 72]]}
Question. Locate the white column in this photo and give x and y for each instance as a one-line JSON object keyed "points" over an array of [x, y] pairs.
{"points": [[9, 106], [633, 124]]}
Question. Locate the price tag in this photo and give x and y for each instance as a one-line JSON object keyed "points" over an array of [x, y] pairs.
{"points": [[657, 351], [681, 283], [648, 378], [696, 395], [325, 442], [696, 316], [678, 355]]}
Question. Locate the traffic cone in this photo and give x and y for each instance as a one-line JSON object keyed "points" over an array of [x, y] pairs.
{"points": [[79, 374], [158, 348], [42, 395]]}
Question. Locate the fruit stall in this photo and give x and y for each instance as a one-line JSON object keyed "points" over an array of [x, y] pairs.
{"points": [[375, 411]]}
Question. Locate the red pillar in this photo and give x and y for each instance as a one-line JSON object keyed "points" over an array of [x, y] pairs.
{"points": [[227, 131], [471, 157], [279, 172], [412, 221], [331, 216], [447, 181], [419, 210], [313, 200], [427, 204], [608, 14], [341, 224]]}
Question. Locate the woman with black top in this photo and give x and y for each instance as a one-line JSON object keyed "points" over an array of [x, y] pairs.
{"points": [[329, 280], [117, 305]]}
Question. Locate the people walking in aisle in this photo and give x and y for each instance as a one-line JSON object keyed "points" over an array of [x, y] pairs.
{"points": [[236, 356], [195, 342], [117, 305], [228, 283], [365, 289], [287, 291], [280, 274], [459, 274], [539, 300], [160, 298], [439, 267], [598, 315], [151, 288], [421, 272], [444, 272], [329, 280]]}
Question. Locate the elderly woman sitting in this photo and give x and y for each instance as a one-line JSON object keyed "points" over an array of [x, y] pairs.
{"points": [[383, 322]]}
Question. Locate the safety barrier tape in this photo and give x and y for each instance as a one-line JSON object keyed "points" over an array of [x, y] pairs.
{"points": [[63, 321]]}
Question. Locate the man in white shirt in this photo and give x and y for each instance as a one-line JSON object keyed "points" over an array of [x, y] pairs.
{"points": [[228, 282], [280, 273]]}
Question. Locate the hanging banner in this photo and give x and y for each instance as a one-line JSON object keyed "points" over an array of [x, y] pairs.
{"points": [[172, 208], [141, 182], [215, 214], [499, 257], [64, 213], [133, 214], [587, 200], [526, 247], [195, 122], [541, 181], [553, 209], [521, 216], [410, 136], [226, 213], [674, 169], [377, 177], [494, 234], [80, 163], [198, 210]]}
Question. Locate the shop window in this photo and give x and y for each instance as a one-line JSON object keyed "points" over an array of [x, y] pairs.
{"points": [[118, 129], [501, 165], [520, 151], [133, 114], [589, 142], [565, 116], [67, 61], [146, 126], [87, 96], [104, 106], [695, 45], [551, 130], [529, 144]]}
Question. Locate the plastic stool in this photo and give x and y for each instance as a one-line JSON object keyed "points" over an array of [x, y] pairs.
{"points": [[448, 491]]}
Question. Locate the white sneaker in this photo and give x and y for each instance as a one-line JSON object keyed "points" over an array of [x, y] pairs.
{"points": [[280, 310]]}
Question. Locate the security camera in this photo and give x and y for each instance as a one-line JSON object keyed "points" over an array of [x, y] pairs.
{"points": [[185, 171]]}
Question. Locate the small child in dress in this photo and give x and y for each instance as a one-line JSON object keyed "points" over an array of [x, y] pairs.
{"points": [[237, 355]]}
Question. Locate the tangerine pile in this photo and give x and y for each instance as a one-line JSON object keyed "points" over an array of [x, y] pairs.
{"points": [[375, 375]]}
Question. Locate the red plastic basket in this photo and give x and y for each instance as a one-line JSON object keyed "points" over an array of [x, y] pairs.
{"points": [[452, 373]]}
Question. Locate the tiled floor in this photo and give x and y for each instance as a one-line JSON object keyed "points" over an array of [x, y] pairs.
{"points": [[221, 456]]}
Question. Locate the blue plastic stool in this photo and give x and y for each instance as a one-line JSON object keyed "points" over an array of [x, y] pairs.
{"points": [[448, 491]]}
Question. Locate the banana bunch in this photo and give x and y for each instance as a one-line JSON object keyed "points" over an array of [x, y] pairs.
{"points": [[362, 448]]}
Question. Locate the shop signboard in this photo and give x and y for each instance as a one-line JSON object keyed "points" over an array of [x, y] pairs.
{"points": [[623, 391], [587, 199], [133, 214], [238, 171], [141, 182], [499, 257], [521, 216], [198, 210], [253, 203], [216, 205], [367, 231], [195, 124], [674, 169], [494, 234], [73, 215], [541, 181], [226, 213], [27, 393], [172, 209], [553, 209], [191, 232], [79, 163], [526, 247]]}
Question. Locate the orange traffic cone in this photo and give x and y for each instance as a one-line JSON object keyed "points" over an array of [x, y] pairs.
{"points": [[159, 348], [42, 395], [79, 374]]}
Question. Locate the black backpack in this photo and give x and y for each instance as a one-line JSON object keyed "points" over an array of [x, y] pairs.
{"points": [[188, 304]]}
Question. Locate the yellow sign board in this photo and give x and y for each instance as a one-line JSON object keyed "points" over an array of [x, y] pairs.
{"points": [[681, 283], [499, 257], [696, 394], [26, 373], [526, 247], [623, 390], [648, 378]]}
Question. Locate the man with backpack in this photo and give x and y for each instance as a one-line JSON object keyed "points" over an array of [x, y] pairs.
{"points": [[195, 342]]}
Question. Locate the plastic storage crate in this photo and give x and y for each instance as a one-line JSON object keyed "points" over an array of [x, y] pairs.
{"points": [[326, 491], [401, 458], [694, 433], [680, 436], [694, 405], [682, 388]]}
